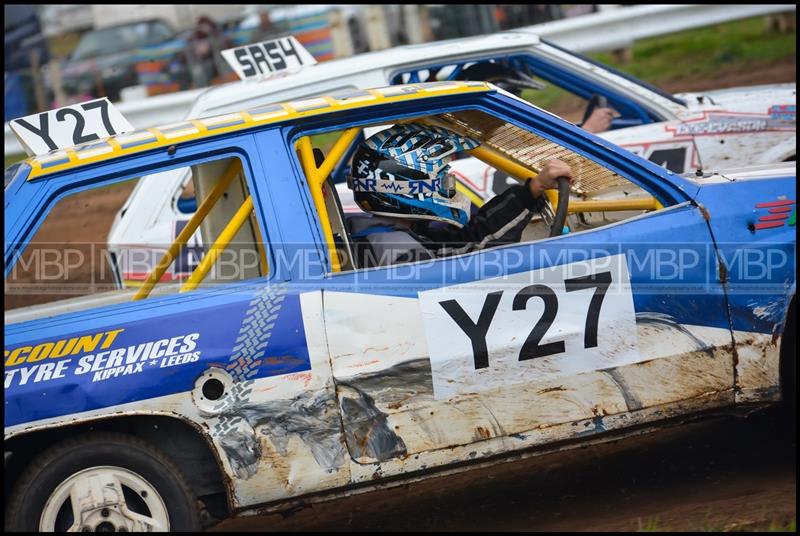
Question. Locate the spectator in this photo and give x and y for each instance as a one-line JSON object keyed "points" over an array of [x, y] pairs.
{"points": [[205, 45]]}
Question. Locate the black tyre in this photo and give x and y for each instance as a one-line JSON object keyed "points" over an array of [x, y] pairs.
{"points": [[121, 481]]}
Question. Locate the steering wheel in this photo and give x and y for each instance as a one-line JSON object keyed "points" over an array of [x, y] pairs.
{"points": [[597, 101], [557, 228]]}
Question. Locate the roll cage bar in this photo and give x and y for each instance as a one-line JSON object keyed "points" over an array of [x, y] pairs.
{"points": [[317, 176]]}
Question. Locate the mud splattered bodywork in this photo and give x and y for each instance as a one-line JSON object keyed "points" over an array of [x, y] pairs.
{"points": [[314, 380], [312, 419]]}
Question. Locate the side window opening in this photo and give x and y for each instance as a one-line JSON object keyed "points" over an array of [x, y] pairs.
{"points": [[533, 79], [512, 74], [319, 166], [186, 201], [92, 250], [506, 155]]}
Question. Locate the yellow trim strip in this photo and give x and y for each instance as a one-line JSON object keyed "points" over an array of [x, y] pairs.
{"points": [[187, 232], [316, 179], [418, 91], [219, 245]]}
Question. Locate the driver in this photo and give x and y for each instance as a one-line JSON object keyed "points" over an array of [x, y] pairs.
{"points": [[599, 120], [401, 177], [514, 81]]}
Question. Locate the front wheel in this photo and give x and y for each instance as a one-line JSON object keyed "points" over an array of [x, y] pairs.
{"points": [[102, 482]]}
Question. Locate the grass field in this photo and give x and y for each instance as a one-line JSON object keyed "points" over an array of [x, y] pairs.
{"points": [[705, 54], [675, 60]]}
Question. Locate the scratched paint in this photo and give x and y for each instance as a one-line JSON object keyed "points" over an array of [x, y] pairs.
{"points": [[369, 436], [689, 362], [771, 311], [309, 416], [757, 368], [667, 324], [581, 406]]}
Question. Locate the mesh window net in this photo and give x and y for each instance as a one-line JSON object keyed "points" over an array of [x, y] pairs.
{"points": [[528, 149]]}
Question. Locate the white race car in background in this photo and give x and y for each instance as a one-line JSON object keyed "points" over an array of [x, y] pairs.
{"points": [[684, 132]]}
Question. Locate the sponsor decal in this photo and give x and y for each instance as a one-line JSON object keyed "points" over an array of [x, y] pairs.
{"points": [[775, 214], [156, 355], [97, 356], [784, 112], [382, 181], [530, 326], [721, 123]]}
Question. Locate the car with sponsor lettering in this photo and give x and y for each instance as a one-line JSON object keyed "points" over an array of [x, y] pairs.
{"points": [[684, 132], [282, 372]]}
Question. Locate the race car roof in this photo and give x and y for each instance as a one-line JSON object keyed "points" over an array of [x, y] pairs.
{"points": [[240, 94], [195, 129]]}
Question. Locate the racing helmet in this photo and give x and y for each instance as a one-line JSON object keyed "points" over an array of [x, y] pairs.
{"points": [[403, 172]]}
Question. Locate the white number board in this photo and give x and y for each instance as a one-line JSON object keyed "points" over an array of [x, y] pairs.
{"points": [[268, 58], [71, 125], [531, 326]]}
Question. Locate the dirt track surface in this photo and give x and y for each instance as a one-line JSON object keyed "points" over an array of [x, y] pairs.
{"points": [[721, 474], [79, 224]]}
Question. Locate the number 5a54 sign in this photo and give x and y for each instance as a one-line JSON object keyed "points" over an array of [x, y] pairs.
{"points": [[268, 58], [531, 326], [71, 125]]}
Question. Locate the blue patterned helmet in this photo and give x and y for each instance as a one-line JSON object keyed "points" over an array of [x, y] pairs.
{"points": [[403, 171]]}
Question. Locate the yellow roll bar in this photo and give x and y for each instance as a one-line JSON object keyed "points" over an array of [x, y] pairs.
{"points": [[219, 245], [316, 178], [520, 172], [474, 198], [186, 233], [612, 205], [502, 163]]}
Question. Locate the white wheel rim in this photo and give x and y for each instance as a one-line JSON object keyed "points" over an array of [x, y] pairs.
{"points": [[99, 505]]}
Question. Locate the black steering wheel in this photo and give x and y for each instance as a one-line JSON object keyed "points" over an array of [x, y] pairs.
{"points": [[557, 228], [597, 101]]}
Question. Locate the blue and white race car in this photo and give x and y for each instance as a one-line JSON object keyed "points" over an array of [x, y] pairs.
{"points": [[281, 372]]}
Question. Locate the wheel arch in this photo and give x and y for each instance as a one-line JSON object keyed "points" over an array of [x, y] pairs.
{"points": [[185, 443]]}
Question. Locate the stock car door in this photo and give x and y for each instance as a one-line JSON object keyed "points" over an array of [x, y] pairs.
{"points": [[124, 352], [528, 344]]}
